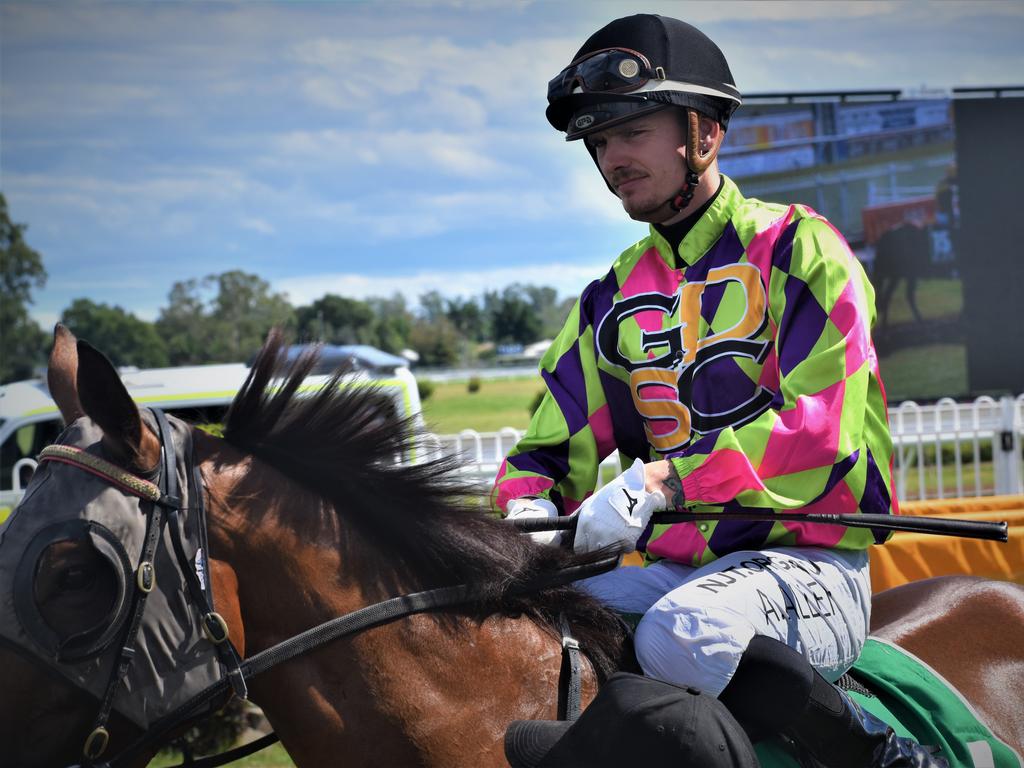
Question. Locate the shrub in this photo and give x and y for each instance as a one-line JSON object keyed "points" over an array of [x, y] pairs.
{"points": [[473, 385], [426, 388]]}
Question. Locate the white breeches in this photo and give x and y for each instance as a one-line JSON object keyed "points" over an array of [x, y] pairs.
{"points": [[697, 622]]}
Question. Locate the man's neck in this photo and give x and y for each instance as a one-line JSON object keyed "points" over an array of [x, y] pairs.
{"points": [[710, 182], [678, 227]]}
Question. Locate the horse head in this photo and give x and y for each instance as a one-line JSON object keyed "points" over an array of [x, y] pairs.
{"points": [[73, 566]]}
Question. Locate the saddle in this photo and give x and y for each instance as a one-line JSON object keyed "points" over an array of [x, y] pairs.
{"points": [[902, 690]]}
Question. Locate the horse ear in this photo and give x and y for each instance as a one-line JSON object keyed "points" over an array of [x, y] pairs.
{"points": [[62, 374], [106, 401]]}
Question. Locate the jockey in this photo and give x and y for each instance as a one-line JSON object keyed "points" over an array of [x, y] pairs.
{"points": [[727, 356]]}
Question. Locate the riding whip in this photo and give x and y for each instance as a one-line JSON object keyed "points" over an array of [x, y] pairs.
{"points": [[939, 526]]}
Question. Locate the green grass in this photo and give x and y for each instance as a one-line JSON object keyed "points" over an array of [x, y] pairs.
{"points": [[926, 372], [935, 298], [498, 403], [272, 757], [986, 475]]}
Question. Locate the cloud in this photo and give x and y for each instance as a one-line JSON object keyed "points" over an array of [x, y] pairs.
{"points": [[567, 279], [467, 156], [258, 225], [331, 188], [835, 14], [160, 201], [460, 85]]}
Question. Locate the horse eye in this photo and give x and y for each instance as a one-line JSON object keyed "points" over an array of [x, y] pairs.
{"points": [[76, 577]]}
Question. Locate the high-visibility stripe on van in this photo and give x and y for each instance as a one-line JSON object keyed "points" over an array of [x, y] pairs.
{"points": [[29, 419]]}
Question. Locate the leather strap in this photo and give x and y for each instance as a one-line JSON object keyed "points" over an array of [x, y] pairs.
{"points": [[570, 686], [96, 742], [349, 624]]}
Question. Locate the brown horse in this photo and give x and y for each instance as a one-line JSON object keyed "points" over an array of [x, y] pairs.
{"points": [[310, 518]]}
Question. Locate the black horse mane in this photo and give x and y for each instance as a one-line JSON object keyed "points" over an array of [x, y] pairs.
{"points": [[340, 443]]}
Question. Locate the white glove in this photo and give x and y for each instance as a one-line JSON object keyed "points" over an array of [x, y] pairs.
{"points": [[618, 513], [541, 508]]}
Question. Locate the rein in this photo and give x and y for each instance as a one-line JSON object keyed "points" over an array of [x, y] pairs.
{"points": [[164, 508], [352, 623]]}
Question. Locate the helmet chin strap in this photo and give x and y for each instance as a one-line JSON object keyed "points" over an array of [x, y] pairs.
{"points": [[685, 195], [699, 157]]}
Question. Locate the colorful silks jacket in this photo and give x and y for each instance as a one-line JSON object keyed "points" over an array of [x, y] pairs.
{"points": [[752, 368]]}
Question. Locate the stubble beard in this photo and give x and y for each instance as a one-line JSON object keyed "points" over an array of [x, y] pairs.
{"points": [[649, 211]]}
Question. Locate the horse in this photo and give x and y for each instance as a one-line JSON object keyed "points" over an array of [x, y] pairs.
{"points": [[310, 517], [902, 253]]}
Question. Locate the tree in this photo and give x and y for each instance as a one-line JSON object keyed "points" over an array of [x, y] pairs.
{"points": [[185, 325], [392, 323], [22, 342], [245, 310], [229, 326], [512, 316], [549, 309], [336, 320], [124, 338], [468, 318], [432, 306], [437, 343]]}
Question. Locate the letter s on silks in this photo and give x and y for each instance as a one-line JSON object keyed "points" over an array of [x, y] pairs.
{"points": [[540, 508], [618, 513]]}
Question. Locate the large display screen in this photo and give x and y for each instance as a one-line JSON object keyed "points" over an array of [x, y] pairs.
{"points": [[887, 170]]}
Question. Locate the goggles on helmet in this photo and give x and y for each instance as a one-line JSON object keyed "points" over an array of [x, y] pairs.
{"points": [[611, 70]]}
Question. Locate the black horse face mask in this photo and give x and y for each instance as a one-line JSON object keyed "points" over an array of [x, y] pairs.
{"points": [[72, 571]]}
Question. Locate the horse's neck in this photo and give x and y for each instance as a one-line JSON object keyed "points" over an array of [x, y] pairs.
{"points": [[286, 556], [431, 689]]}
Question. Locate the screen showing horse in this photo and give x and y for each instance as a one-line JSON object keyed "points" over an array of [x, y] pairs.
{"points": [[885, 168]]}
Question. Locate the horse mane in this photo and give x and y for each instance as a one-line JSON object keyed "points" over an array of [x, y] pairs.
{"points": [[338, 442]]}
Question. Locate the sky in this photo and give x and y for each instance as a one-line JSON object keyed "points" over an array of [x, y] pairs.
{"points": [[368, 148]]}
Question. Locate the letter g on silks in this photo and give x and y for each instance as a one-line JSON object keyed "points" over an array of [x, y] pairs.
{"points": [[618, 513]]}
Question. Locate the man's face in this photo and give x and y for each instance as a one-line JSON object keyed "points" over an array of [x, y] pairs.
{"points": [[644, 162]]}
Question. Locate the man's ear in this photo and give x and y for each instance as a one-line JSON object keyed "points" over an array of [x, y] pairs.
{"points": [[704, 140], [711, 133]]}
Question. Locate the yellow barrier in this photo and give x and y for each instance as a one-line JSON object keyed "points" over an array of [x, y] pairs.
{"points": [[912, 556]]}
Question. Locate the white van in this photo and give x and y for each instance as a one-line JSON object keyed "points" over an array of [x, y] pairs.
{"points": [[29, 420]]}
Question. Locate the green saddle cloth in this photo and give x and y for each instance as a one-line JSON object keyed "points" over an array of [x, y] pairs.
{"points": [[917, 702]]}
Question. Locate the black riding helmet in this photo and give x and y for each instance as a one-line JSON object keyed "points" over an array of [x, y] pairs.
{"points": [[637, 65]]}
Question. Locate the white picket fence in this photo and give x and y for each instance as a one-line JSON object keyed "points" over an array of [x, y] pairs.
{"points": [[944, 450]]}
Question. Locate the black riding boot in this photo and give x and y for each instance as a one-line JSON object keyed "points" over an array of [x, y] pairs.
{"points": [[775, 690], [834, 732]]}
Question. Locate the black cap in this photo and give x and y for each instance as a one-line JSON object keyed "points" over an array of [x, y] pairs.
{"points": [[697, 74], [635, 720]]}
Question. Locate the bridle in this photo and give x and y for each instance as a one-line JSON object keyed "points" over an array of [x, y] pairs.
{"points": [[164, 512]]}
